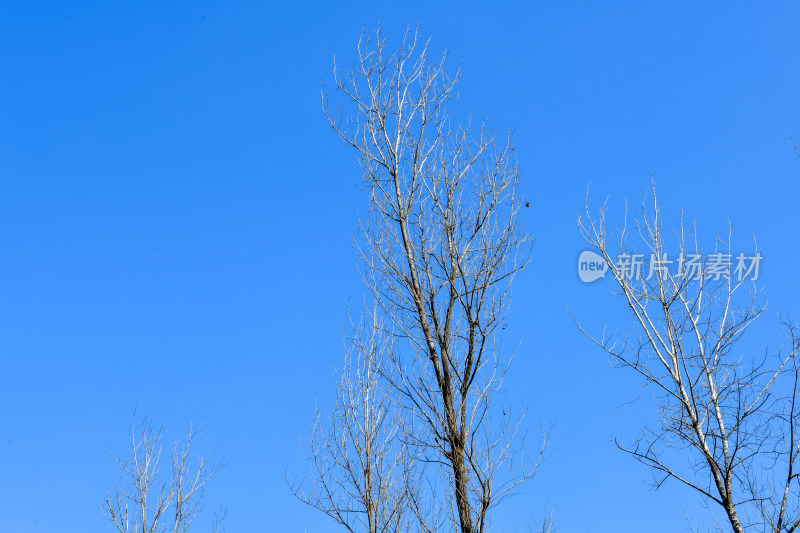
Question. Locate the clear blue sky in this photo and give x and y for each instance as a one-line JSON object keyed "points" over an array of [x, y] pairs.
{"points": [[176, 221]]}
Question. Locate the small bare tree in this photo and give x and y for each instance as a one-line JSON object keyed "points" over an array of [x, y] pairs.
{"points": [[362, 474], [734, 417], [147, 501], [547, 524], [440, 247]]}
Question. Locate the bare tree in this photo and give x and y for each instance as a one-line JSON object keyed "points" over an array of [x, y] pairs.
{"points": [[362, 474], [440, 246], [547, 524], [148, 501], [731, 416]]}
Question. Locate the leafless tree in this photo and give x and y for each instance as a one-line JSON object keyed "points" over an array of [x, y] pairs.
{"points": [[440, 246], [732, 416], [547, 524], [147, 500], [362, 474]]}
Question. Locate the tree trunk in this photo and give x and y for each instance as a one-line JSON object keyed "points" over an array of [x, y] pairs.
{"points": [[462, 496]]}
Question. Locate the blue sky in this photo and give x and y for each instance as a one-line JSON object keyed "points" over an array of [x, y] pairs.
{"points": [[176, 221]]}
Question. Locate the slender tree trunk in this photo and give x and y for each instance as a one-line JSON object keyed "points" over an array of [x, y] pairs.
{"points": [[733, 517], [460, 480]]}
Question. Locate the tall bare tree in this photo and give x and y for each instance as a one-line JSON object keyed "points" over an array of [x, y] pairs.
{"points": [[440, 246], [733, 416], [149, 501]]}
